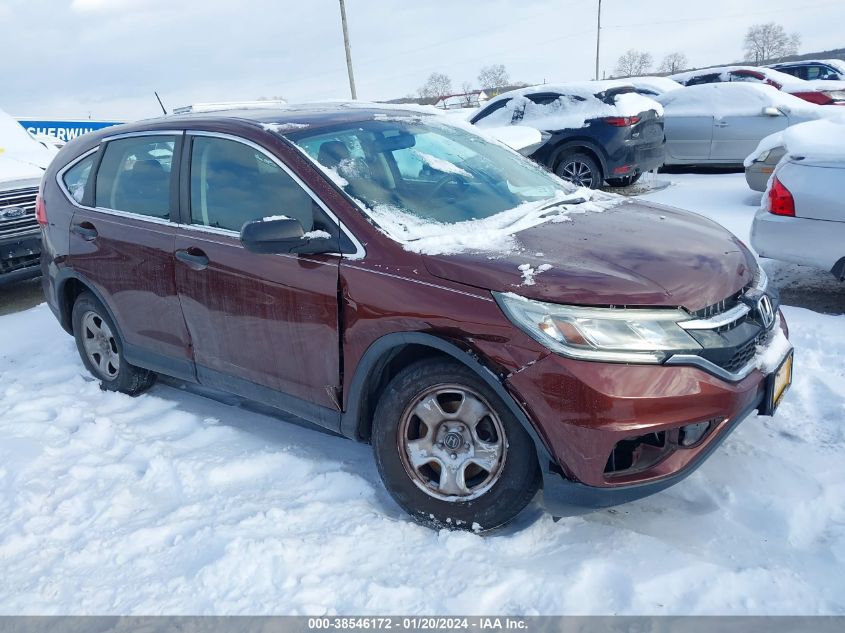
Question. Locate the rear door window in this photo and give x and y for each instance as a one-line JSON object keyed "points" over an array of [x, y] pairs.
{"points": [[135, 176], [233, 183]]}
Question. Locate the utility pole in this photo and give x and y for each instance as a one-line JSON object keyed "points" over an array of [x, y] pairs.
{"points": [[598, 42], [348, 49]]}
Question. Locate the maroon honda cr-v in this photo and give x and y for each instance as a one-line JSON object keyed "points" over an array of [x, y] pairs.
{"points": [[402, 280]]}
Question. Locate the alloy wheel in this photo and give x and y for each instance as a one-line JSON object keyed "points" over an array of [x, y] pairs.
{"points": [[100, 345], [452, 443], [578, 173]]}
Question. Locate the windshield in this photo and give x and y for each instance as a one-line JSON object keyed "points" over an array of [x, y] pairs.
{"points": [[427, 170]]}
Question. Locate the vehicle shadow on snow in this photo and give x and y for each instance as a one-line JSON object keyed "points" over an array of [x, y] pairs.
{"points": [[279, 429]]}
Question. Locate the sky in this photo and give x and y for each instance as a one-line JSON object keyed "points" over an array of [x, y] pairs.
{"points": [[103, 59]]}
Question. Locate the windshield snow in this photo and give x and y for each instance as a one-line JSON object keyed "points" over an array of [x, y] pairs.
{"points": [[422, 172]]}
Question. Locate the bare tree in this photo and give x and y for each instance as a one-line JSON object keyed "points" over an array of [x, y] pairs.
{"points": [[673, 63], [633, 63], [769, 42], [492, 77], [466, 89], [436, 86]]}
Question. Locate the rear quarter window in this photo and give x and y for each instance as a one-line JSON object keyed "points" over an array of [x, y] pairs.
{"points": [[76, 178]]}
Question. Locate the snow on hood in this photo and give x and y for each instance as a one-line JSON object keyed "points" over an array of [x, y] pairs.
{"points": [[496, 235], [17, 145], [610, 258], [734, 99], [11, 170], [516, 136], [823, 139], [577, 105]]}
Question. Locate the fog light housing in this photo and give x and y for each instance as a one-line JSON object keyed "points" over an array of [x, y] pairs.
{"points": [[692, 434]]}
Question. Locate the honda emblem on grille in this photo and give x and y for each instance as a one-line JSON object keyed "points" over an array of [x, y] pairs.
{"points": [[11, 213], [767, 312]]}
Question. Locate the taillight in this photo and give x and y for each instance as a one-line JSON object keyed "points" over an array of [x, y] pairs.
{"points": [[819, 98], [622, 121], [781, 201], [40, 210]]}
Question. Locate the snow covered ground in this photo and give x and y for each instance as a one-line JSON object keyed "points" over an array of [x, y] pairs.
{"points": [[175, 503]]}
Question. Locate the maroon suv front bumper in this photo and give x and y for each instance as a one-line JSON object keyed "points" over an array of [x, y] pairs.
{"points": [[619, 432]]}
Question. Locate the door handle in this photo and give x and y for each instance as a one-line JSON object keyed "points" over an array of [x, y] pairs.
{"points": [[193, 258], [85, 230], [722, 124]]}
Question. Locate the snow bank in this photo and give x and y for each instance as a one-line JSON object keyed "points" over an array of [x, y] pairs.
{"points": [[734, 99], [171, 503], [572, 110]]}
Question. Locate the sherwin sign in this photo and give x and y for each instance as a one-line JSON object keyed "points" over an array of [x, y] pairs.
{"points": [[65, 130]]}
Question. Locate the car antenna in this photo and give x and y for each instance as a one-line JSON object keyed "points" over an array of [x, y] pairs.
{"points": [[160, 103]]}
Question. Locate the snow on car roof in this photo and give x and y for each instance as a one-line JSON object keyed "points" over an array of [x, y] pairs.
{"points": [[836, 63], [656, 84], [558, 115], [733, 99], [770, 73]]}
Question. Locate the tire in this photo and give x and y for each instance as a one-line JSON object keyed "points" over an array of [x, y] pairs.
{"points": [[495, 455], [101, 349], [625, 181], [580, 169]]}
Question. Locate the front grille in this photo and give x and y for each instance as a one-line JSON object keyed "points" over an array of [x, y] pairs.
{"points": [[732, 346], [19, 263], [722, 306], [20, 226], [743, 355]]}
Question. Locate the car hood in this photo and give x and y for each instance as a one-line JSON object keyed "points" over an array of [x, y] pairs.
{"points": [[13, 170], [634, 254]]}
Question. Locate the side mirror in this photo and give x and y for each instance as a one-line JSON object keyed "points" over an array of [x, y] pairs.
{"points": [[771, 111], [285, 235]]}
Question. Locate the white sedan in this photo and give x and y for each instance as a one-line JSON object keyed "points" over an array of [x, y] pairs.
{"points": [[802, 218]]}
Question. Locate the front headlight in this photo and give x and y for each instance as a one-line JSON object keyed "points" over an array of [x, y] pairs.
{"points": [[602, 334], [761, 279]]}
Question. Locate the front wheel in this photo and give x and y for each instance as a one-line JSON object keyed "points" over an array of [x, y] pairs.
{"points": [[580, 169], [449, 451]]}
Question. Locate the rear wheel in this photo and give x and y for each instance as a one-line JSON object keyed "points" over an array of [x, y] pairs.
{"points": [[625, 181], [101, 349], [449, 451], [580, 169]]}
